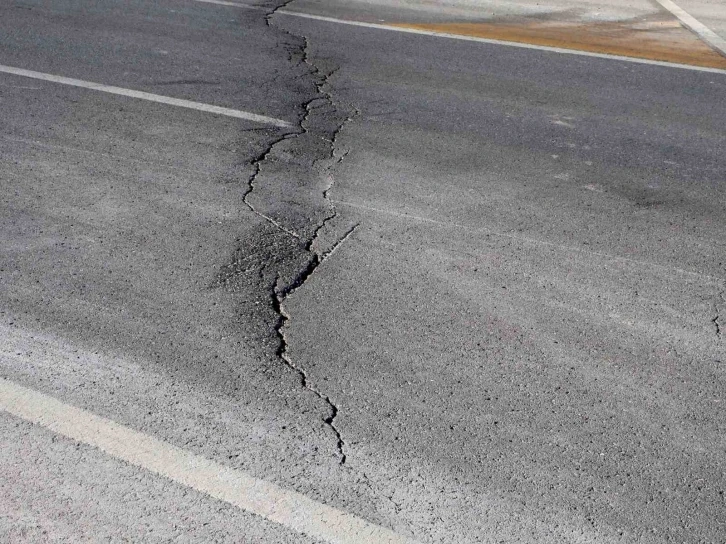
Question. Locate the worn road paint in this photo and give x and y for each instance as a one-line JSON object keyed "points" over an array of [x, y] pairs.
{"points": [[411, 29], [236, 487], [526, 239], [705, 33], [663, 41], [235, 4], [601, 40], [239, 114]]}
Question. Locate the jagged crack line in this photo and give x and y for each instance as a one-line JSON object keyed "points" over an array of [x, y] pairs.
{"points": [[279, 296], [333, 144], [717, 310], [257, 168], [270, 13], [326, 193], [280, 292], [257, 162]]}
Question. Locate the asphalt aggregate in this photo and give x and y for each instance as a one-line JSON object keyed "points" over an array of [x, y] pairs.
{"points": [[473, 293]]}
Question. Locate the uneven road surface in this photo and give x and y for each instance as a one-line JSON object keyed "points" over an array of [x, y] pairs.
{"points": [[267, 276]]}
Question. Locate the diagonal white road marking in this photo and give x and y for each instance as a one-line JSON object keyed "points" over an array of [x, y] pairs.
{"points": [[239, 114], [690, 22], [499, 42], [706, 34], [236, 487]]}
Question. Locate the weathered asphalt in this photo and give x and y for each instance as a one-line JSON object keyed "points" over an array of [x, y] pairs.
{"points": [[476, 293]]}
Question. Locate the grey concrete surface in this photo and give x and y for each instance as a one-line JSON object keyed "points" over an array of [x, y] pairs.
{"points": [[711, 13], [475, 295]]}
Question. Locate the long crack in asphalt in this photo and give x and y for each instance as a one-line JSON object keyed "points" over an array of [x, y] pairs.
{"points": [[281, 266], [279, 295]]}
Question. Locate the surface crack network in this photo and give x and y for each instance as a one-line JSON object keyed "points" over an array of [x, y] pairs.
{"points": [[321, 82], [256, 164], [281, 290]]}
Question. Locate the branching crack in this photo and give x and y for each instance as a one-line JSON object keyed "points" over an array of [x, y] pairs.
{"points": [[321, 104], [279, 295], [268, 261], [321, 85], [256, 164], [257, 161]]}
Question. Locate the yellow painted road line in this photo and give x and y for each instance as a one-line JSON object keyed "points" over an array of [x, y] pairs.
{"points": [[287, 508]]}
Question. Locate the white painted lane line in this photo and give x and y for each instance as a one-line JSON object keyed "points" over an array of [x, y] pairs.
{"points": [[487, 40], [236, 487], [500, 42], [239, 114], [235, 4], [690, 22]]}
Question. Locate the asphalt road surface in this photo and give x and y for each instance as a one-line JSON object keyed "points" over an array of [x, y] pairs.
{"points": [[433, 290]]}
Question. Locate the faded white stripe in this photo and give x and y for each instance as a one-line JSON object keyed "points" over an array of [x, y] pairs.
{"points": [[239, 114], [235, 4], [501, 42], [705, 33], [236, 487]]}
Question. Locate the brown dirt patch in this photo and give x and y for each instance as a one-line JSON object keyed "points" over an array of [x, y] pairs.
{"points": [[664, 40]]}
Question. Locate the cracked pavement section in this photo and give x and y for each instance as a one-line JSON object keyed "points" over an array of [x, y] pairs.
{"points": [[296, 163], [471, 296], [520, 334], [280, 294], [119, 274]]}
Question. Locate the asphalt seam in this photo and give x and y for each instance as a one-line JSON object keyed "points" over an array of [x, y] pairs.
{"points": [[525, 239], [153, 164]]}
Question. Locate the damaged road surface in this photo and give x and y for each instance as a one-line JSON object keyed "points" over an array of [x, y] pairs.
{"points": [[270, 277]]}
